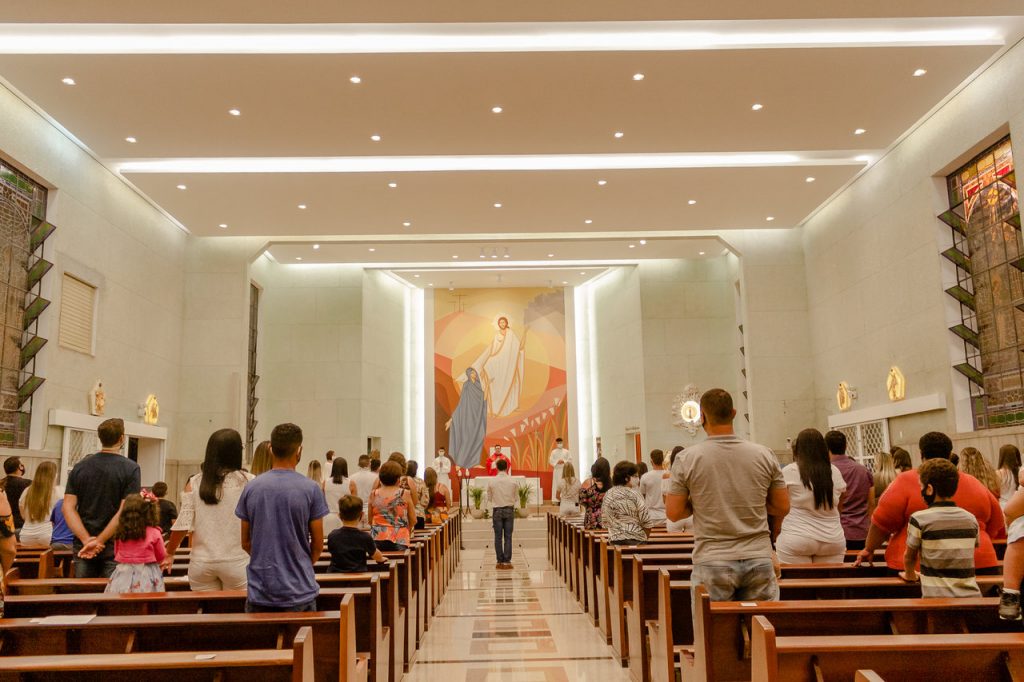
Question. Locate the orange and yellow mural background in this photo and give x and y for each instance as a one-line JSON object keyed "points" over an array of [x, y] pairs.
{"points": [[465, 323]]}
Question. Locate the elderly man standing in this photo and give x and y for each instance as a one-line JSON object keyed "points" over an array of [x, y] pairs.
{"points": [[730, 486]]}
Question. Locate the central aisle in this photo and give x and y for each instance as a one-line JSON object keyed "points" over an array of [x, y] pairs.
{"points": [[512, 626]]}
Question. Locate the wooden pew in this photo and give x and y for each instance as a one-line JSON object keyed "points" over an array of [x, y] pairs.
{"points": [[992, 656], [334, 631], [672, 640], [271, 665], [371, 635], [722, 629]]}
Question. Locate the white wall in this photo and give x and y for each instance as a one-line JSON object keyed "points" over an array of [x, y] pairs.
{"points": [[688, 320], [108, 235], [874, 274]]}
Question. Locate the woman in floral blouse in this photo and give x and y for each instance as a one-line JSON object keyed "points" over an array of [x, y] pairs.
{"points": [[592, 493]]}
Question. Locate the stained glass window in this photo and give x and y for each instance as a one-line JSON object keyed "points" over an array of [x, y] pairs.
{"points": [[22, 207], [985, 218]]}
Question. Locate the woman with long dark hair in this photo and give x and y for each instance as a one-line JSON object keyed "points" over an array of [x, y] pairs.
{"points": [[335, 487], [812, 533], [1008, 472], [218, 561], [592, 492]]}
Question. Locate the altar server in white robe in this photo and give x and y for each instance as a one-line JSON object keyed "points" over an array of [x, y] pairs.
{"points": [[559, 456], [443, 466]]}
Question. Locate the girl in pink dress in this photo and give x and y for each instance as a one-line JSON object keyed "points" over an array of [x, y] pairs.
{"points": [[138, 547]]}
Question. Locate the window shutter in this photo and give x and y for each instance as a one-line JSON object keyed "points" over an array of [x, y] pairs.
{"points": [[77, 312]]}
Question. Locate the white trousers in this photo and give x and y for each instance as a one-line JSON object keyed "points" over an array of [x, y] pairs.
{"points": [[210, 576], [797, 549]]}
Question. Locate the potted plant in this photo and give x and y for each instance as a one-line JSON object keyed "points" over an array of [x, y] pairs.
{"points": [[524, 499], [477, 496]]}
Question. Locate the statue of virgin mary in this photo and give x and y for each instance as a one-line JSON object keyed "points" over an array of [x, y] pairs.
{"points": [[468, 424]]}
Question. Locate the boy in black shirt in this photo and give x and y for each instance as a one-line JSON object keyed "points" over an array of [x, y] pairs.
{"points": [[168, 511], [349, 546]]}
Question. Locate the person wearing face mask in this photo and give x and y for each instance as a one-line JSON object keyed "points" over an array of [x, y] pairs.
{"points": [[443, 466], [624, 513]]}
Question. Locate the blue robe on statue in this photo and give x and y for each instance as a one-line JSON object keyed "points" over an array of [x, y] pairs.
{"points": [[469, 423]]}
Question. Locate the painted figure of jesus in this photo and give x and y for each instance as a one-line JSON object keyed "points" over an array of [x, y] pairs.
{"points": [[500, 367]]}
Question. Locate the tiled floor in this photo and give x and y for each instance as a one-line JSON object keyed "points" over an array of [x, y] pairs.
{"points": [[512, 626]]}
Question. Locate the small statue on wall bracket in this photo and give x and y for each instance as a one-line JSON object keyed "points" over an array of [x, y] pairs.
{"points": [[152, 410], [844, 396], [896, 384], [97, 399]]}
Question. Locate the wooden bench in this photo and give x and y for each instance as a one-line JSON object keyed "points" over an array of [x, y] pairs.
{"points": [[722, 629], [334, 631], [899, 658], [672, 636], [371, 635], [270, 665]]}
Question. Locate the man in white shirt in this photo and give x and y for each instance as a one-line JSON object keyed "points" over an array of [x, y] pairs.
{"points": [[363, 481], [559, 456], [443, 466], [650, 487], [503, 492]]}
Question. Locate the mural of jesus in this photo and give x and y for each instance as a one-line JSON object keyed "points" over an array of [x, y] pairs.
{"points": [[500, 367]]}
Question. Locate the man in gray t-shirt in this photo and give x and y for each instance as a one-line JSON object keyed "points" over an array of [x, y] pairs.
{"points": [[730, 486]]}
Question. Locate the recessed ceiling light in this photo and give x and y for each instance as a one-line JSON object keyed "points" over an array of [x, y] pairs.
{"points": [[588, 221], [371, 249], [392, 185], [859, 131], [691, 202], [564, 282], [632, 246], [355, 79], [375, 138], [68, 81], [602, 183], [496, 110], [583, 273], [920, 72], [455, 257], [223, 226], [643, 242], [302, 206], [234, 112], [430, 284], [406, 224], [638, 76], [757, 106], [619, 134], [316, 247], [130, 140], [700, 253], [497, 206], [416, 276], [770, 218], [809, 179], [298, 258], [551, 255], [182, 187]]}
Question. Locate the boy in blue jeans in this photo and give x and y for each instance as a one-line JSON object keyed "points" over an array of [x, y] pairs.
{"points": [[282, 515]]}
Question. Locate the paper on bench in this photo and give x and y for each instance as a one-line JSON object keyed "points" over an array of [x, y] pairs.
{"points": [[206, 657], [64, 620]]}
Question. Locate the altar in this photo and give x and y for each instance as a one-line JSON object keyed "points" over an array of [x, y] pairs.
{"points": [[482, 482]]}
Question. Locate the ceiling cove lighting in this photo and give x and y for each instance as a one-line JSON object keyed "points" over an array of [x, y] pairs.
{"points": [[41, 38], [512, 162]]}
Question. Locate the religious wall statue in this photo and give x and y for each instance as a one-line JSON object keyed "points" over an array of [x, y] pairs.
{"points": [[97, 399], [843, 397], [152, 413], [896, 384], [500, 368]]}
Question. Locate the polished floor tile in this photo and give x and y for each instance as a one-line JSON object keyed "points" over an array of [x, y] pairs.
{"points": [[512, 626]]}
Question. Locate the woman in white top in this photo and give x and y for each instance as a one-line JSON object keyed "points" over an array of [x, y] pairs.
{"points": [[811, 532], [208, 503], [568, 492], [335, 488], [36, 503], [1008, 473]]}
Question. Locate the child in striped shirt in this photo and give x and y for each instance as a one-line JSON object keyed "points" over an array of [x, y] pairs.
{"points": [[943, 535]]}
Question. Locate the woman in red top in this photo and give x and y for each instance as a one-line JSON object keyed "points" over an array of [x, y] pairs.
{"points": [[903, 497]]}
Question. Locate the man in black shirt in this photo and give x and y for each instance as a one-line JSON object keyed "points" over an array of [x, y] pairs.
{"points": [[95, 494], [14, 485], [349, 546]]}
